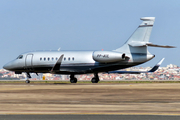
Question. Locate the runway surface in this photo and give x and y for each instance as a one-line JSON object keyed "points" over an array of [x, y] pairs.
{"points": [[161, 100], [88, 117]]}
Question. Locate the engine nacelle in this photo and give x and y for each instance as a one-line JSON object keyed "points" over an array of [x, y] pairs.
{"points": [[108, 56]]}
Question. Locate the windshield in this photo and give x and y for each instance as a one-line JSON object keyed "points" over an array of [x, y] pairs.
{"points": [[20, 57]]}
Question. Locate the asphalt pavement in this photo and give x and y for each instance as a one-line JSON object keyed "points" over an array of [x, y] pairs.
{"points": [[88, 117]]}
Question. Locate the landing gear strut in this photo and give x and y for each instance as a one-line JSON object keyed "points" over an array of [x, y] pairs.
{"points": [[95, 79], [73, 79], [28, 76]]}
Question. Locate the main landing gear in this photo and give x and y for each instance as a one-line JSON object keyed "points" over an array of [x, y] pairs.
{"points": [[73, 79], [95, 79]]}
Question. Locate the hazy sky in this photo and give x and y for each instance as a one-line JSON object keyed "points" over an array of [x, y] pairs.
{"points": [[27, 25]]}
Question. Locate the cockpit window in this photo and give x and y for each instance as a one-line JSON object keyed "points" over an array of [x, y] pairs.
{"points": [[20, 57]]}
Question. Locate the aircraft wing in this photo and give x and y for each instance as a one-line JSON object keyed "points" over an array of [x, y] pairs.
{"points": [[138, 72], [58, 64]]}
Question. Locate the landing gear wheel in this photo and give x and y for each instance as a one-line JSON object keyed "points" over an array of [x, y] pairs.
{"points": [[27, 81], [73, 80], [94, 80]]}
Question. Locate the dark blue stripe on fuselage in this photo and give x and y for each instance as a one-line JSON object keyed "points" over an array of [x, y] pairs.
{"points": [[80, 68]]}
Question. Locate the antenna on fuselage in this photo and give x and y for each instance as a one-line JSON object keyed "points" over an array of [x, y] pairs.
{"points": [[59, 49]]}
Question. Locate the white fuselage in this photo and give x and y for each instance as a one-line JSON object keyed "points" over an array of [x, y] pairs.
{"points": [[76, 62]]}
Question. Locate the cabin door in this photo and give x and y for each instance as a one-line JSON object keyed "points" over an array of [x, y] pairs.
{"points": [[28, 62]]}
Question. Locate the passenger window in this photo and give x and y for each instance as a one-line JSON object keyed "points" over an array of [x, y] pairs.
{"points": [[56, 58], [64, 59], [52, 59], [40, 59], [69, 58], [44, 59], [48, 59], [73, 58]]}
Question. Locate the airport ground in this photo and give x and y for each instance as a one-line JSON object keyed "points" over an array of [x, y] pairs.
{"points": [[90, 99]]}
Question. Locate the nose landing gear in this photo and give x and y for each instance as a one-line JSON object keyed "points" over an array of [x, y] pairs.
{"points": [[27, 81], [28, 76]]}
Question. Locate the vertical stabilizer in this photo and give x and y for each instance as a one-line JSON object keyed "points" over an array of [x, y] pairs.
{"points": [[140, 37], [143, 32]]}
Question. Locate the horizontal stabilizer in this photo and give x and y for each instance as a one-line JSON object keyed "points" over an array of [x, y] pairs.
{"points": [[163, 46], [138, 72], [58, 64], [142, 44]]}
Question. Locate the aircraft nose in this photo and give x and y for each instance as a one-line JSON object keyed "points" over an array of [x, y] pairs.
{"points": [[7, 66]]}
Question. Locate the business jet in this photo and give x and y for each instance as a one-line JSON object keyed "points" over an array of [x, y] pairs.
{"points": [[133, 52]]}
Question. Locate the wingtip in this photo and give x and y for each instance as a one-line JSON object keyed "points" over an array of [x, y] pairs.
{"points": [[157, 65], [160, 62]]}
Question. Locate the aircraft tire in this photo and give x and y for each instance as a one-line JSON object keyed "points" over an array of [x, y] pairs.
{"points": [[73, 80], [27, 81], [94, 80]]}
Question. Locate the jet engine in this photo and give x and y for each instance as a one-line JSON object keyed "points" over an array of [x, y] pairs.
{"points": [[108, 56]]}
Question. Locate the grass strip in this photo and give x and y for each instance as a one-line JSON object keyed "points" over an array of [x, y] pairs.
{"points": [[67, 82]]}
